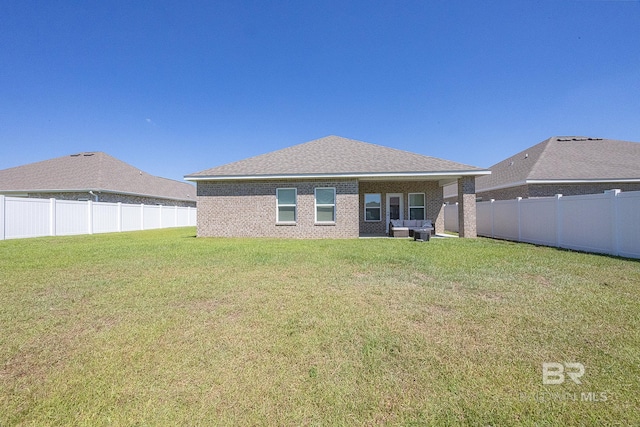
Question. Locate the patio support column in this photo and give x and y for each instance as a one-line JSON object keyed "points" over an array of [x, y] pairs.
{"points": [[467, 207]]}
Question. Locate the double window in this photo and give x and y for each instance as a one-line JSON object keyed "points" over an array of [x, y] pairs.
{"points": [[286, 200], [416, 206], [325, 205], [287, 205], [372, 207]]}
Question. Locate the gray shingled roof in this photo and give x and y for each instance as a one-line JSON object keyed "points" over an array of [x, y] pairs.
{"points": [[95, 171], [569, 158], [335, 155]]}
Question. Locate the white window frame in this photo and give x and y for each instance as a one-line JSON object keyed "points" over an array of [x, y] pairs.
{"points": [[423, 206], [315, 201], [295, 206], [379, 207]]}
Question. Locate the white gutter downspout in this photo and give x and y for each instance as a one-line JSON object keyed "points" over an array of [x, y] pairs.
{"points": [[93, 194]]}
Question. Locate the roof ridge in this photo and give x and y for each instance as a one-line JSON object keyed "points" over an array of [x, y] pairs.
{"points": [[535, 166]]}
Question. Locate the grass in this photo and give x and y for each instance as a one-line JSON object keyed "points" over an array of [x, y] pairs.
{"points": [[161, 328]]}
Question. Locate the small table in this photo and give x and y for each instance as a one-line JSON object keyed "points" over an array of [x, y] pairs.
{"points": [[422, 235]]}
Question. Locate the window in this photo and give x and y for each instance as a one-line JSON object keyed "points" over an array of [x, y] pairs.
{"points": [[286, 202], [372, 207], [416, 206], [325, 205]]}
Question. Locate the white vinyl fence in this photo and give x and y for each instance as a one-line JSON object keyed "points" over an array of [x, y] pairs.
{"points": [[604, 223], [23, 217]]}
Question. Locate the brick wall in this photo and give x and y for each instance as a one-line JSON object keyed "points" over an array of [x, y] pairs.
{"points": [[550, 190], [431, 189], [248, 209]]}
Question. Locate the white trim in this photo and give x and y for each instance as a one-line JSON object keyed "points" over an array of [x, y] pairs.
{"points": [[365, 207], [295, 206], [360, 175], [316, 205], [579, 181]]}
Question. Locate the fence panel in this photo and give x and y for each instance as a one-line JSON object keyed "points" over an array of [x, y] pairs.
{"points": [[586, 223], [484, 222], [193, 216], [25, 217], [168, 216], [132, 217], [603, 223], [628, 224], [451, 218], [505, 219], [106, 217], [152, 217], [183, 217], [72, 217], [538, 221]]}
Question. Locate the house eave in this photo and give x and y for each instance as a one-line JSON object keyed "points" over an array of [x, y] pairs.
{"points": [[366, 176]]}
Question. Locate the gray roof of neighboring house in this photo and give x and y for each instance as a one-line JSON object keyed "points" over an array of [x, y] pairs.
{"points": [[94, 171], [566, 159], [336, 156]]}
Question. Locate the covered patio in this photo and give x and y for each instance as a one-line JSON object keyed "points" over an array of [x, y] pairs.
{"points": [[416, 197]]}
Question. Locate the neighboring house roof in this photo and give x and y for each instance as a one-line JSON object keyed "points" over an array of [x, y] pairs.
{"points": [[565, 160], [91, 171], [334, 156]]}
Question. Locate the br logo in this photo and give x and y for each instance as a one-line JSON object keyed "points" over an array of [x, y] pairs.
{"points": [[554, 373]]}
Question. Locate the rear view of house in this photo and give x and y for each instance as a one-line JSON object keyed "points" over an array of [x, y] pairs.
{"points": [[331, 187]]}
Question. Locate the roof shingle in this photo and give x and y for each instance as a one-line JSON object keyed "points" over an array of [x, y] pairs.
{"points": [[334, 155], [95, 171], [567, 158]]}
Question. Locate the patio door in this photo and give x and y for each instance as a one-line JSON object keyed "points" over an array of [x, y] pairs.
{"points": [[395, 208]]}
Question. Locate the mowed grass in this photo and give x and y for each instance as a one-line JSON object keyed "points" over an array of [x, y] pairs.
{"points": [[161, 328]]}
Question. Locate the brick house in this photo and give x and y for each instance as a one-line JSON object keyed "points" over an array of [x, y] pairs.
{"points": [[331, 187], [568, 165], [94, 176]]}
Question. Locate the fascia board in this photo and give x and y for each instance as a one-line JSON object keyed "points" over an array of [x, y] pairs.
{"points": [[581, 181]]}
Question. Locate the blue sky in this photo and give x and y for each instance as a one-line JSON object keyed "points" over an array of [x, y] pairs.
{"points": [[177, 87]]}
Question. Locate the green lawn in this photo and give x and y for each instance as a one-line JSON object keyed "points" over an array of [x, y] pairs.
{"points": [[161, 328]]}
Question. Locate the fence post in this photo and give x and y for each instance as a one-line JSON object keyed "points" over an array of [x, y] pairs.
{"points": [[52, 217], [558, 220], [142, 216], [89, 216], [492, 218], [2, 222], [518, 204], [175, 215], [615, 241], [119, 219]]}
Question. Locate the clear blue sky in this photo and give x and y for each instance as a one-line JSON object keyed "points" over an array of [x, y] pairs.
{"points": [[177, 87]]}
